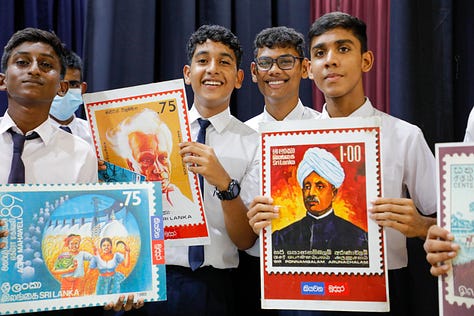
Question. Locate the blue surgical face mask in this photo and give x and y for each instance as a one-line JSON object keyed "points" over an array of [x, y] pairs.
{"points": [[63, 108]]}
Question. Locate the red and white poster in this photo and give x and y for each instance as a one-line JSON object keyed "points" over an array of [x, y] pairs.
{"points": [[139, 128], [455, 174], [323, 252]]}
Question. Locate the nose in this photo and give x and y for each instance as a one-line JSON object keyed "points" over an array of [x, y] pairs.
{"points": [[212, 66], [313, 191], [160, 168], [34, 67], [331, 58], [274, 67]]}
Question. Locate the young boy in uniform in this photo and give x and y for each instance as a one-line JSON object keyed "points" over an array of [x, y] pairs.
{"points": [[339, 58], [199, 279]]}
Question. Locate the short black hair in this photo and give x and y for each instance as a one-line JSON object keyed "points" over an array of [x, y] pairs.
{"points": [[73, 61], [34, 35], [280, 36], [215, 33], [332, 20]]}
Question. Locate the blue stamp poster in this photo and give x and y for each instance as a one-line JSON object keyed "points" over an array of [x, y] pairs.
{"points": [[80, 245]]}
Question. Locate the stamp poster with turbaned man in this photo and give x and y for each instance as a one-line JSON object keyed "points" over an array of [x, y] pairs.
{"points": [[139, 128], [323, 252]]}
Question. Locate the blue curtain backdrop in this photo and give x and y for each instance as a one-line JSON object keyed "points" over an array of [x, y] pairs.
{"points": [[127, 43], [130, 43]]}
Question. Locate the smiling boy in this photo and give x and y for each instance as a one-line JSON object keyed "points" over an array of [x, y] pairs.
{"points": [[226, 160]]}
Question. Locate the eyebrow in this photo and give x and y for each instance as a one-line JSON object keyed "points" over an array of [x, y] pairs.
{"points": [[205, 52], [338, 42], [29, 53]]}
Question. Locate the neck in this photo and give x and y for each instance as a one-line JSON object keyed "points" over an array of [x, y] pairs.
{"points": [[342, 107], [280, 110], [28, 118], [207, 111]]}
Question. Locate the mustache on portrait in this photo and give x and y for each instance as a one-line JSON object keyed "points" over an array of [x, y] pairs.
{"points": [[311, 199]]}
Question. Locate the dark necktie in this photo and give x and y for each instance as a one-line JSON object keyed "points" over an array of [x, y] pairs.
{"points": [[196, 253], [17, 170], [65, 128]]}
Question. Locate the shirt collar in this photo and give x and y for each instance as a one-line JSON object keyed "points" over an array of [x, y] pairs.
{"points": [[218, 121], [322, 216], [364, 111], [45, 130]]}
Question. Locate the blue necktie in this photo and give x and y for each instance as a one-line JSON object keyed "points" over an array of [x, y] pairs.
{"points": [[66, 129], [17, 169], [196, 253]]}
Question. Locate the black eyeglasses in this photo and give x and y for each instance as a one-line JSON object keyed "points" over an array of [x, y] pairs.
{"points": [[284, 62]]}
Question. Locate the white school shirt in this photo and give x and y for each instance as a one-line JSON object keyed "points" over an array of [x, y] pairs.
{"points": [[469, 136], [54, 157], [300, 112], [79, 127], [235, 145], [408, 165]]}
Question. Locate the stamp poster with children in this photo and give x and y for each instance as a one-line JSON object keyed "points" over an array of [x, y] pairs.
{"points": [[455, 174], [323, 252], [80, 245], [140, 128]]}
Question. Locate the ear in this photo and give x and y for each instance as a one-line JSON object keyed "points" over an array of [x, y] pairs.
{"points": [[240, 79], [305, 68], [367, 61], [63, 87], [308, 67], [3, 82], [253, 71], [187, 74], [83, 87]]}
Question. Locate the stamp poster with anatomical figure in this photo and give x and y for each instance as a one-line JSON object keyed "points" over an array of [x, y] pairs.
{"points": [[80, 245], [139, 128], [323, 252], [455, 174]]}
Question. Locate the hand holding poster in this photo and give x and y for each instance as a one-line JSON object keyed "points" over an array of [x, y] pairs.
{"points": [[139, 128], [80, 245], [323, 252], [455, 174]]}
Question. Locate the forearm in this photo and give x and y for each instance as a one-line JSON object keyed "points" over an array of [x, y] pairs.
{"points": [[237, 225]]}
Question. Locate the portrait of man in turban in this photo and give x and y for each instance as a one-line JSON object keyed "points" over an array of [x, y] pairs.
{"points": [[320, 176]]}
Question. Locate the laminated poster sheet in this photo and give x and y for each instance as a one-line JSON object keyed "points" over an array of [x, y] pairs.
{"points": [[139, 128], [80, 245], [455, 174], [336, 262]]}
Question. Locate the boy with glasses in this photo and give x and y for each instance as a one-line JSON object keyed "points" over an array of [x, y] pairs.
{"points": [[278, 67]]}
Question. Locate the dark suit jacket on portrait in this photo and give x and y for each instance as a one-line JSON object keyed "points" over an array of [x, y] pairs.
{"points": [[330, 232]]}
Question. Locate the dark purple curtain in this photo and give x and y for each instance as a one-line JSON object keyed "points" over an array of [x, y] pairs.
{"points": [[376, 14]]}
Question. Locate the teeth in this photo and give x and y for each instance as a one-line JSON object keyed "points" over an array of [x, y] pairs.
{"points": [[276, 82], [213, 83]]}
